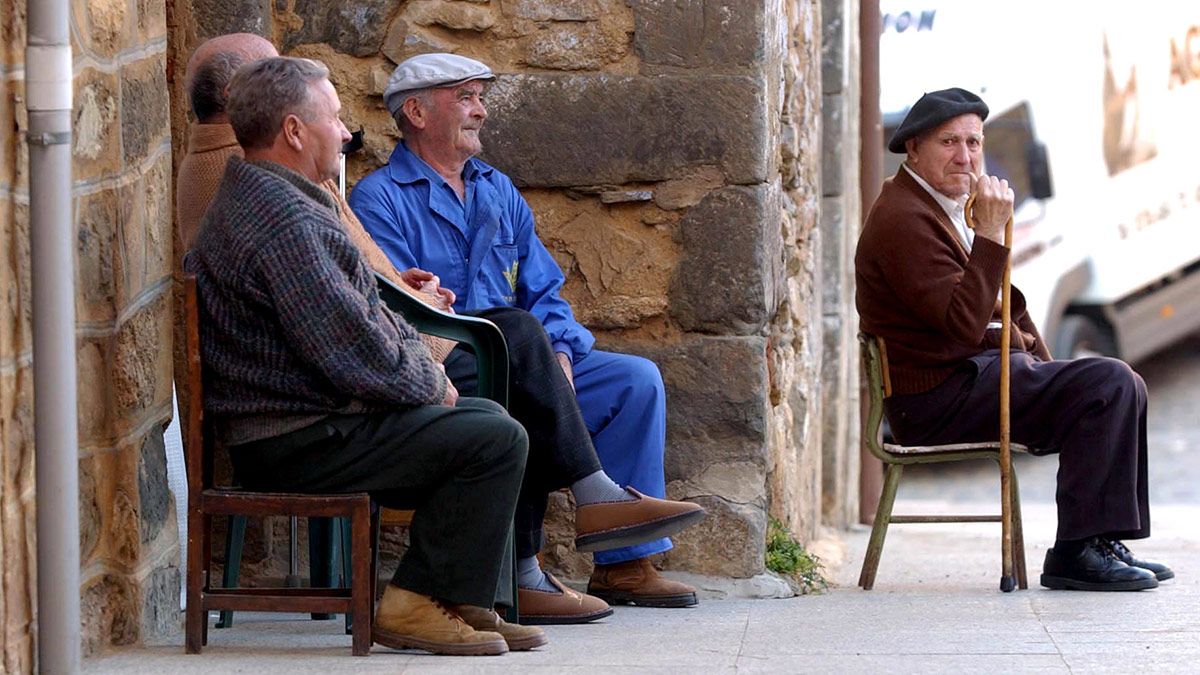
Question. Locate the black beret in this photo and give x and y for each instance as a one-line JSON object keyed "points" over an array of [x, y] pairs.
{"points": [[934, 108]]}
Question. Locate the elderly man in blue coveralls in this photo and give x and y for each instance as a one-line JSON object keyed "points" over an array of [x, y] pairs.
{"points": [[436, 207]]}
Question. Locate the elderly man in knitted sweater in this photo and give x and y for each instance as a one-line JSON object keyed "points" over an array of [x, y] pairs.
{"points": [[928, 285]]}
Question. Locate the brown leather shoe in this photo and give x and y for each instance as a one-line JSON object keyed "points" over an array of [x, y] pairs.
{"points": [[519, 638], [606, 525], [568, 606], [407, 620], [637, 582]]}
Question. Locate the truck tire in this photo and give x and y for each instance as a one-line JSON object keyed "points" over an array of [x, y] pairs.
{"points": [[1079, 336]]}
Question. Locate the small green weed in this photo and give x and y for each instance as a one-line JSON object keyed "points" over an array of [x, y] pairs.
{"points": [[786, 556]]}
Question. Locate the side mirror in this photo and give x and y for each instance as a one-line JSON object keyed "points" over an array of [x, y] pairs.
{"points": [[1038, 165]]}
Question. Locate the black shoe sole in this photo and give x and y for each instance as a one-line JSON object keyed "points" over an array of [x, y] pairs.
{"points": [[638, 534], [551, 620], [1067, 584], [660, 601], [1163, 576]]}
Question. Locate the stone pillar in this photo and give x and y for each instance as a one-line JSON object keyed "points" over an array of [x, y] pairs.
{"points": [[840, 215]]}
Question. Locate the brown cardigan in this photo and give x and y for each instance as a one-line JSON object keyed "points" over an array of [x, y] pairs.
{"points": [[200, 172], [928, 298]]}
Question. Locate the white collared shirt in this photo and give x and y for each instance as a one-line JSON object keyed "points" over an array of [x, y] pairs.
{"points": [[954, 209]]}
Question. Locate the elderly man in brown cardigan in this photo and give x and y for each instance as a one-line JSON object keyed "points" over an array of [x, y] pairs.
{"points": [[928, 285]]}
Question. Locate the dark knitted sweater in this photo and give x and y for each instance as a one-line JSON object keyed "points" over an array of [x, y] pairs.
{"points": [[291, 325], [928, 298]]}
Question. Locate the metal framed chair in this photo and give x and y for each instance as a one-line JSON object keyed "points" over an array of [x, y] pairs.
{"points": [[328, 541], [895, 457]]}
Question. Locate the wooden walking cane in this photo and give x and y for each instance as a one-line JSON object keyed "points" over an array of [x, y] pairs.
{"points": [[1007, 578]]}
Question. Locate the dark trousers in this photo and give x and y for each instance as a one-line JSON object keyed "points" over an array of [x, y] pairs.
{"points": [[1092, 412], [542, 400], [460, 468]]}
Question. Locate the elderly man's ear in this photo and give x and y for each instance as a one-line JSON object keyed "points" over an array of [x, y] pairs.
{"points": [[414, 111], [292, 128]]}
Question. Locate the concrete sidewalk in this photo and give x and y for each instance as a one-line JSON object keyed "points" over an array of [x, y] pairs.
{"points": [[935, 608]]}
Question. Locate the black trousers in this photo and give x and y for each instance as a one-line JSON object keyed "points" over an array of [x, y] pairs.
{"points": [[1092, 412], [542, 400], [460, 468]]}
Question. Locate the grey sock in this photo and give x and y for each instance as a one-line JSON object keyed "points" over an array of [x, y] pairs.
{"points": [[598, 487], [531, 576]]}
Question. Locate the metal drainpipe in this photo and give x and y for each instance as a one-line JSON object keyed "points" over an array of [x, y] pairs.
{"points": [[870, 26], [48, 88]]}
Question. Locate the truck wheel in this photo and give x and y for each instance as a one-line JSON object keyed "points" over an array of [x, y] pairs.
{"points": [[1079, 336]]}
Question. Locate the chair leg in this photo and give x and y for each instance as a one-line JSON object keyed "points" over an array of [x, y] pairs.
{"points": [[362, 599], [513, 614], [235, 538], [197, 570], [320, 558], [343, 540], [1018, 535], [883, 516]]}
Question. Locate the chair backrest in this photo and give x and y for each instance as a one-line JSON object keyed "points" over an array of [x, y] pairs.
{"points": [[197, 451], [873, 352]]}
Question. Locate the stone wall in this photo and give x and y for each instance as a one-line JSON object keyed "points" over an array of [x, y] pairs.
{"points": [[121, 201], [671, 150]]}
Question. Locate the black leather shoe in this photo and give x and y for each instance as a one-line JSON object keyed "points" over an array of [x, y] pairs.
{"points": [[1122, 552], [1095, 568]]}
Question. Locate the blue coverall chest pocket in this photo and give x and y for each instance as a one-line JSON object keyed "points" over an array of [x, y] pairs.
{"points": [[505, 271]]}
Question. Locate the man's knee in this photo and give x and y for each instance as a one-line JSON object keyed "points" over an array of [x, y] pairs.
{"points": [[513, 321], [1114, 379], [497, 438], [644, 376]]}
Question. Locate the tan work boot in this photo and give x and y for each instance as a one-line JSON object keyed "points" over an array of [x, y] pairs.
{"points": [[407, 620], [637, 582], [519, 638]]}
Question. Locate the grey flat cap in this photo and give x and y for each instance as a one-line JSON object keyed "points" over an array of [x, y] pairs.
{"points": [[431, 70]]}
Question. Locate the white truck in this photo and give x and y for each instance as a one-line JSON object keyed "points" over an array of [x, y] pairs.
{"points": [[1095, 120]]}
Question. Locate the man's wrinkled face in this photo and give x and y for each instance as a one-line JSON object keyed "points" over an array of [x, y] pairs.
{"points": [[947, 156], [326, 132], [455, 117]]}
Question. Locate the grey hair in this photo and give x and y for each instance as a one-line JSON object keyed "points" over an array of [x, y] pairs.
{"points": [[263, 93], [206, 91], [400, 118]]}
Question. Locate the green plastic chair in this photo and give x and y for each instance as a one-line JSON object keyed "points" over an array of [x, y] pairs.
{"points": [[896, 457], [328, 538]]}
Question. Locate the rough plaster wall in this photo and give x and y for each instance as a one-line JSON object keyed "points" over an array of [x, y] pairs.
{"points": [[669, 149], [121, 197]]}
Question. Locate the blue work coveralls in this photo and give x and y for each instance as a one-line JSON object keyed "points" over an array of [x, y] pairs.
{"points": [[485, 249]]}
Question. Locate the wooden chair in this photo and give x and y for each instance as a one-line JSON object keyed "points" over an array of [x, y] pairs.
{"points": [[206, 500], [896, 457], [491, 352]]}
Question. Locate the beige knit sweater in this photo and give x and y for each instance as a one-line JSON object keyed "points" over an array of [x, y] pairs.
{"points": [[200, 172]]}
